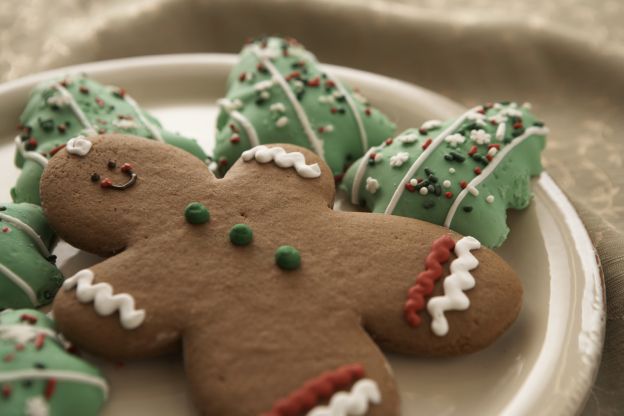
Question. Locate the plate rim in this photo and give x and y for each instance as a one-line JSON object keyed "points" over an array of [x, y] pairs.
{"points": [[593, 305]]}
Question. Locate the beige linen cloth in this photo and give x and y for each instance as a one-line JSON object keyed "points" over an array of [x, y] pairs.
{"points": [[564, 56]]}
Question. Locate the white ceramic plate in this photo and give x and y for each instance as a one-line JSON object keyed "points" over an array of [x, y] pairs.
{"points": [[544, 365]]}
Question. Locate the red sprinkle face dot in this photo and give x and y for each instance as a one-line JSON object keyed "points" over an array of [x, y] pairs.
{"points": [[106, 183], [126, 167]]}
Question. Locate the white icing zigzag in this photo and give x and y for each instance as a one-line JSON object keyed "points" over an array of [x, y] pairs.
{"points": [[354, 403], [104, 302], [283, 159], [455, 284]]}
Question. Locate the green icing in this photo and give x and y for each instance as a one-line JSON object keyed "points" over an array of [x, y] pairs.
{"points": [[482, 216], [241, 235], [20, 351], [287, 257], [196, 213], [48, 122], [254, 96], [21, 256]]}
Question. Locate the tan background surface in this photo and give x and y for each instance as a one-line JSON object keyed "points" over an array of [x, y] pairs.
{"points": [[565, 56]]}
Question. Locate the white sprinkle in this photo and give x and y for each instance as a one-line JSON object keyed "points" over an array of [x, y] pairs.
{"points": [[492, 151], [480, 136], [407, 138], [511, 112], [474, 191], [59, 100], [265, 95], [424, 190], [399, 159], [489, 199], [282, 121], [298, 86], [500, 132], [328, 128], [455, 139], [326, 99], [446, 184], [527, 106], [277, 108], [263, 85], [378, 157], [431, 124], [413, 182], [124, 123], [498, 118], [372, 185], [451, 170], [230, 105], [36, 406]]}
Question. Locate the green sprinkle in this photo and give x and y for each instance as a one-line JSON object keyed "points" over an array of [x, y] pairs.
{"points": [[241, 235], [196, 213], [287, 258]]}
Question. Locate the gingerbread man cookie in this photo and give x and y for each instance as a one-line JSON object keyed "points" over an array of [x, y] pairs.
{"points": [[279, 303], [60, 109]]}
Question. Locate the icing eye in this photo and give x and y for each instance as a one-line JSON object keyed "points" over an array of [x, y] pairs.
{"points": [[95, 177], [112, 164]]}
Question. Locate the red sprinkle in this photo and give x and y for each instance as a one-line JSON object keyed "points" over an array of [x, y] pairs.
{"points": [[426, 144], [423, 288], [321, 129], [517, 125], [49, 388], [330, 84], [367, 111], [495, 145], [372, 155], [19, 347], [223, 161], [389, 141], [8, 358], [449, 195], [126, 167], [473, 150], [334, 110], [5, 229], [61, 128], [6, 390], [39, 340], [489, 157], [121, 92], [317, 390], [292, 75], [463, 184], [477, 170], [422, 131], [100, 102], [106, 183], [31, 144], [410, 187], [28, 318], [84, 89], [314, 82], [338, 178], [233, 127], [235, 139], [242, 77]]}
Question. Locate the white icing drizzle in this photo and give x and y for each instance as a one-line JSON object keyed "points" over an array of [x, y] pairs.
{"points": [[316, 144], [104, 302], [22, 226], [356, 114], [79, 146], [29, 154], [489, 169], [23, 333], [59, 375], [155, 131], [283, 159], [73, 104], [36, 406], [231, 108], [455, 284], [359, 175], [398, 192], [353, 403], [19, 282]]}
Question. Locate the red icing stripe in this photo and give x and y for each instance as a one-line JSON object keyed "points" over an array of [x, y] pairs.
{"points": [[416, 295], [317, 389], [49, 388]]}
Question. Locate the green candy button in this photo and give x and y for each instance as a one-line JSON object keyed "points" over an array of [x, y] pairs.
{"points": [[241, 235], [196, 213], [287, 257]]}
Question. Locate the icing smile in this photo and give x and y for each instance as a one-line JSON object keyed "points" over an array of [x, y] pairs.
{"points": [[107, 183]]}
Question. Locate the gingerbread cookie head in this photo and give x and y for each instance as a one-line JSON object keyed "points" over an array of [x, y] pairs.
{"points": [[244, 273]]}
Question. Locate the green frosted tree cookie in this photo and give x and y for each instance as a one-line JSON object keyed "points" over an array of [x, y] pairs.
{"points": [[59, 110], [28, 276], [38, 377], [463, 173], [279, 93]]}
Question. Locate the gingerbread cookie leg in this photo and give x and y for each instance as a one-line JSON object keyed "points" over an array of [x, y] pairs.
{"points": [[331, 362]]}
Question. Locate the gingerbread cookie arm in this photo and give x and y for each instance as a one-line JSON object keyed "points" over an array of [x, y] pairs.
{"points": [[237, 367], [477, 294], [104, 309]]}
